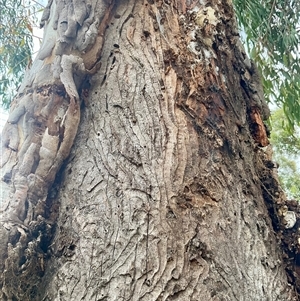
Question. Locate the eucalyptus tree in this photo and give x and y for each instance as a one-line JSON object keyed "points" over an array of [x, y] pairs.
{"points": [[136, 164]]}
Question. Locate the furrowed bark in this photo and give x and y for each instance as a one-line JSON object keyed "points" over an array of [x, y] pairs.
{"points": [[168, 191]]}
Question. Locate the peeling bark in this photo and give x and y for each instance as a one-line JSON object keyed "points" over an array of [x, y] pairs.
{"points": [[38, 137], [168, 191]]}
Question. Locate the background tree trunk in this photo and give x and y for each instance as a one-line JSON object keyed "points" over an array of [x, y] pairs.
{"points": [[163, 194]]}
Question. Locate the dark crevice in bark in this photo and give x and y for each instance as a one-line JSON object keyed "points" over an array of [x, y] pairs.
{"points": [[26, 265], [278, 207]]}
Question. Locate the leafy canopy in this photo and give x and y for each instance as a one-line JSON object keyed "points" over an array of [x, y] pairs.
{"points": [[16, 35], [272, 29], [286, 152]]}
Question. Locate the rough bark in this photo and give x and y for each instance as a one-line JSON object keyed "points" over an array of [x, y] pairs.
{"points": [[169, 187]]}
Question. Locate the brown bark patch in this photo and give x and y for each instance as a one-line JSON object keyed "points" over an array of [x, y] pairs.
{"points": [[258, 129]]}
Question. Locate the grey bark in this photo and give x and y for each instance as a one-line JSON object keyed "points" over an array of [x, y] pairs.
{"points": [[166, 192]]}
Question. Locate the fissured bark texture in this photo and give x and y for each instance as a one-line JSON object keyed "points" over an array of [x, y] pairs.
{"points": [[161, 198]]}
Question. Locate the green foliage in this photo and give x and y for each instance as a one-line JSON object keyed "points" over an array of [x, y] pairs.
{"points": [[289, 177], [286, 150], [16, 32], [283, 141], [272, 31]]}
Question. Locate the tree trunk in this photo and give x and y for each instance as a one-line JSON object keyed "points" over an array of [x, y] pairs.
{"points": [[168, 191]]}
